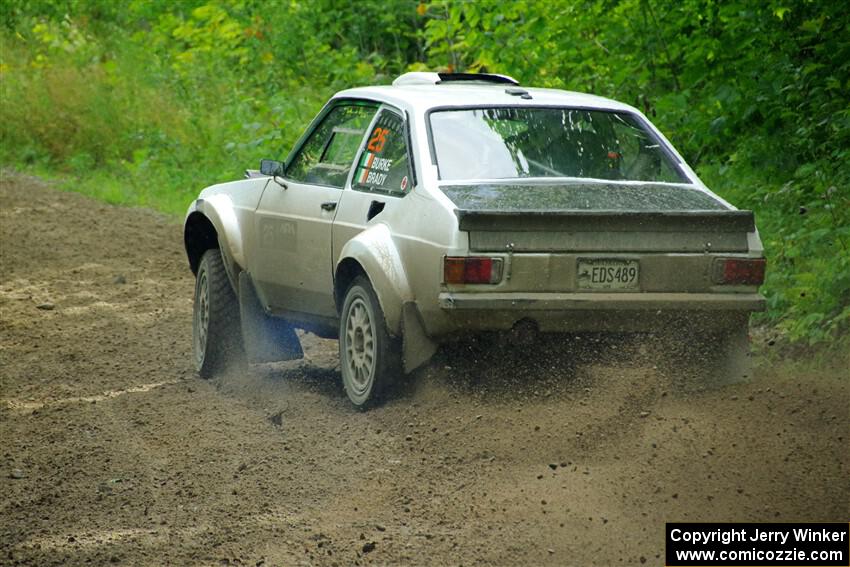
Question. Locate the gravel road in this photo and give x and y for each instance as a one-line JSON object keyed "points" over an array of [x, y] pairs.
{"points": [[114, 452]]}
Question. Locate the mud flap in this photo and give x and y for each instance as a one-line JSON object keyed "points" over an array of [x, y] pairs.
{"points": [[266, 338], [418, 348], [734, 360], [708, 360]]}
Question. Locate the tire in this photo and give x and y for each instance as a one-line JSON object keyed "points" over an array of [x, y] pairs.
{"points": [[216, 333], [370, 359]]}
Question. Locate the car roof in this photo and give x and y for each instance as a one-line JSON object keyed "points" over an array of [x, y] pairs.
{"points": [[420, 98]]}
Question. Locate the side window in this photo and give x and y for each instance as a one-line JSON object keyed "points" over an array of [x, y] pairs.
{"points": [[640, 156], [384, 164], [327, 155]]}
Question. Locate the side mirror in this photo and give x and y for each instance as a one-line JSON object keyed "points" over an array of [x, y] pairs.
{"points": [[271, 167]]}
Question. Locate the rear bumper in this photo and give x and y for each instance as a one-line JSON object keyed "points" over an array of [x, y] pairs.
{"points": [[682, 313], [745, 302]]}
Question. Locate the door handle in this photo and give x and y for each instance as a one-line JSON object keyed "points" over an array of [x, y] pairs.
{"points": [[329, 206]]}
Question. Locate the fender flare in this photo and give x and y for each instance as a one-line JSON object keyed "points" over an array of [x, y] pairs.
{"points": [[375, 251], [219, 211]]}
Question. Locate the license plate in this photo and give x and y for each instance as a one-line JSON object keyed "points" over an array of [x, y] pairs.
{"points": [[608, 274]]}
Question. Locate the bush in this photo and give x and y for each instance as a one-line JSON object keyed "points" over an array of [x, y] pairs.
{"points": [[145, 102]]}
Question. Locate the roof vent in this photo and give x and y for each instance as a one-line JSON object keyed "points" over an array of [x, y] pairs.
{"points": [[426, 78]]}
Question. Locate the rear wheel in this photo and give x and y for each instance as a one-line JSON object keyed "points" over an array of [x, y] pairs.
{"points": [[216, 335], [369, 358]]}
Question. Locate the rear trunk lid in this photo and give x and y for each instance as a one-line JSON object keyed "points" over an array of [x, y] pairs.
{"points": [[598, 217]]}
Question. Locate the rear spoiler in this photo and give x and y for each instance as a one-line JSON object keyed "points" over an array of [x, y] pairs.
{"points": [[609, 221]]}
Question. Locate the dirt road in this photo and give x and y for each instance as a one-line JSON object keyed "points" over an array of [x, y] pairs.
{"points": [[114, 452]]}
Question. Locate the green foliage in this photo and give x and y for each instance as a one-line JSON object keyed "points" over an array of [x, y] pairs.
{"points": [[144, 102]]}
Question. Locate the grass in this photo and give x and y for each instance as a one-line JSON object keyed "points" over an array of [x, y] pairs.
{"points": [[138, 138]]}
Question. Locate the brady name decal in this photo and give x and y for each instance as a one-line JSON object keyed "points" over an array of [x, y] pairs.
{"points": [[374, 169]]}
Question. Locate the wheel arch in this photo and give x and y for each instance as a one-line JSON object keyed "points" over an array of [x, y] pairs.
{"points": [[211, 223], [346, 271], [372, 253], [199, 235]]}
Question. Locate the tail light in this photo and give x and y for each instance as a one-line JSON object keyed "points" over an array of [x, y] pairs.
{"points": [[471, 270], [739, 271]]}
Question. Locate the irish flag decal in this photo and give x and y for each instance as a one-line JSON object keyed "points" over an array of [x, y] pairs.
{"points": [[366, 165]]}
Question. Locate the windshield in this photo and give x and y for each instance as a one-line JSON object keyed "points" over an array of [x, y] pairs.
{"points": [[510, 143]]}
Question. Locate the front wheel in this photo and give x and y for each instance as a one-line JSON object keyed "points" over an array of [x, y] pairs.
{"points": [[369, 358], [217, 337]]}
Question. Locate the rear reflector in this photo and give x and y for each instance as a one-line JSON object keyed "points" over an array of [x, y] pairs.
{"points": [[469, 270], [739, 271]]}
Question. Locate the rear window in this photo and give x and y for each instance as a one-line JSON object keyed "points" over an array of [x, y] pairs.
{"points": [[521, 142]]}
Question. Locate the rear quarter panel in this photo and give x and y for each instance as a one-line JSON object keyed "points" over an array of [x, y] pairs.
{"points": [[401, 251]]}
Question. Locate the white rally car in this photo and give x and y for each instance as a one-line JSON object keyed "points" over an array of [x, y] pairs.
{"points": [[447, 205]]}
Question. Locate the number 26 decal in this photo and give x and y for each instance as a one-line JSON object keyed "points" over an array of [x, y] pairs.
{"points": [[376, 142]]}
